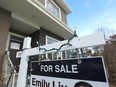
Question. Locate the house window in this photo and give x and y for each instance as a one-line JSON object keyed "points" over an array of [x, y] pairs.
{"points": [[53, 8], [50, 40]]}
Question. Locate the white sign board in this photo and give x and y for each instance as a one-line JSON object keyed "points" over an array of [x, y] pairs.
{"points": [[18, 54], [68, 73], [81, 42]]}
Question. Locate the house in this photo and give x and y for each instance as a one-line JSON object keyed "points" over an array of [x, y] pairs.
{"points": [[43, 20]]}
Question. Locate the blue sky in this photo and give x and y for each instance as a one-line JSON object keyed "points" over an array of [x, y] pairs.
{"points": [[88, 15]]}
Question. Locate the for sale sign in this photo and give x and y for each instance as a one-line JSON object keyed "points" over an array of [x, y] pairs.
{"points": [[69, 73]]}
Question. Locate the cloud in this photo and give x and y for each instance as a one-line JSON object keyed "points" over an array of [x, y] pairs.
{"points": [[84, 3], [113, 26], [89, 15], [106, 18], [88, 3], [109, 20]]}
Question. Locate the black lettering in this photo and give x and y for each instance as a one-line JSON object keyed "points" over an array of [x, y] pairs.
{"points": [[38, 83], [53, 84], [47, 84], [33, 81]]}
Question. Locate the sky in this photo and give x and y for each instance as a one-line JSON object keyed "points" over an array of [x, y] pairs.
{"points": [[89, 15]]}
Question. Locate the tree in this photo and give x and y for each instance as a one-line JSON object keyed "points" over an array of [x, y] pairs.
{"points": [[109, 54], [108, 51], [106, 31]]}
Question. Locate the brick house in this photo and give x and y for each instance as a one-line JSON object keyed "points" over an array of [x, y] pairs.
{"points": [[43, 20]]}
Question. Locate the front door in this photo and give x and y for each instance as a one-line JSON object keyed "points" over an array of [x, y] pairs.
{"points": [[15, 45]]}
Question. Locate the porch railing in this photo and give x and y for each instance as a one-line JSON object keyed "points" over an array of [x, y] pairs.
{"points": [[7, 70]]}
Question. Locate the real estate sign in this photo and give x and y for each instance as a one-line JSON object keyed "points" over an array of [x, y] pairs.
{"points": [[68, 73]]}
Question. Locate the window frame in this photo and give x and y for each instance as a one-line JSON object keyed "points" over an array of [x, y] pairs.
{"points": [[7, 61], [50, 38], [54, 4], [51, 43]]}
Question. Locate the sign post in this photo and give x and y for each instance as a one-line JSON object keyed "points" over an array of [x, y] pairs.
{"points": [[23, 64], [67, 69]]}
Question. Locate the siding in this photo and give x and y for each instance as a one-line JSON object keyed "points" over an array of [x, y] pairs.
{"points": [[40, 36], [64, 16], [5, 17], [63, 13], [43, 34], [35, 37], [42, 2]]}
